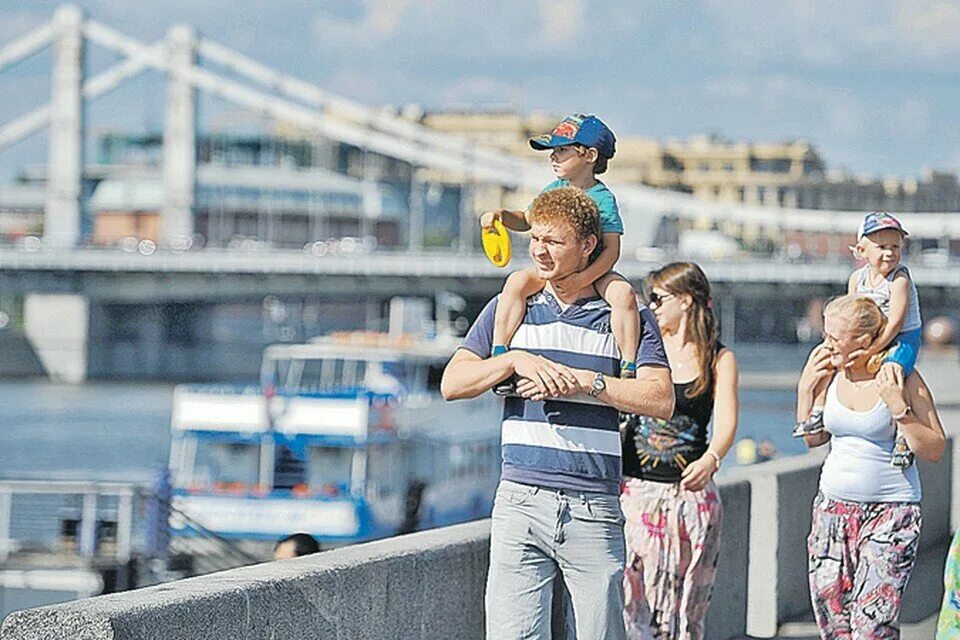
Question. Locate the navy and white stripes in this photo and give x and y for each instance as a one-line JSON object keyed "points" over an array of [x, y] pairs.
{"points": [[572, 443]]}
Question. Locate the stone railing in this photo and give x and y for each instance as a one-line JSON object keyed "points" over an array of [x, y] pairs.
{"points": [[430, 584]]}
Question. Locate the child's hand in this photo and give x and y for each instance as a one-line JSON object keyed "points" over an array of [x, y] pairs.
{"points": [[487, 218], [866, 352]]}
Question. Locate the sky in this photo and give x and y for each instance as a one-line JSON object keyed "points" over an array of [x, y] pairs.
{"points": [[873, 84]]}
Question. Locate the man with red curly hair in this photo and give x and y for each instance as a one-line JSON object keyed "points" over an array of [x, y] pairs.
{"points": [[557, 506]]}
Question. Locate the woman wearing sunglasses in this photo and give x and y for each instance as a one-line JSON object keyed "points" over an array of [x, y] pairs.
{"points": [[672, 506]]}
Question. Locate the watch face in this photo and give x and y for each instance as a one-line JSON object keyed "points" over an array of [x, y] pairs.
{"points": [[599, 384]]}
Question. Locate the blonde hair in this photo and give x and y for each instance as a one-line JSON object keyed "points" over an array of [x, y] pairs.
{"points": [[570, 206], [688, 278], [865, 318]]}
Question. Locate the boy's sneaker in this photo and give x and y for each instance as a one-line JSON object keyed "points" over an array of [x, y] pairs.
{"points": [[507, 387], [902, 456], [811, 426]]}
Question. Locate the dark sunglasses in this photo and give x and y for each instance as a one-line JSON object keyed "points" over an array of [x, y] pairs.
{"points": [[656, 299]]}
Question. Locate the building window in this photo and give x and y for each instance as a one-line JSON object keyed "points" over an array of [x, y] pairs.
{"points": [[671, 163], [728, 167], [704, 167], [770, 165], [741, 194]]}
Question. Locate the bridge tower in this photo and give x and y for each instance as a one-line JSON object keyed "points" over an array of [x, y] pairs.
{"points": [[63, 216], [179, 136]]}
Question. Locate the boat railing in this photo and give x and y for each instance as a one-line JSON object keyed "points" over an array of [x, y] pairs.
{"points": [[56, 522], [69, 517]]}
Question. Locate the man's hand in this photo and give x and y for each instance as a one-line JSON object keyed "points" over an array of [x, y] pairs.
{"points": [[541, 378]]}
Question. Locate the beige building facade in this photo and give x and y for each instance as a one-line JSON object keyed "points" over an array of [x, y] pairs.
{"points": [[782, 174]]}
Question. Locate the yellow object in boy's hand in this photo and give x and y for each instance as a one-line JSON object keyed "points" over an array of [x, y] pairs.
{"points": [[496, 243]]}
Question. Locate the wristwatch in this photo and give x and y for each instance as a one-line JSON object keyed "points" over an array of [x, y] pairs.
{"points": [[599, 384]]}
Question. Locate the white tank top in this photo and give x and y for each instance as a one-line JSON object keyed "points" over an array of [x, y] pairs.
{"points": [[881, 295], [858, 468]]}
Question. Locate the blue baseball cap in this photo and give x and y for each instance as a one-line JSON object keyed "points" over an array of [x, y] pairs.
{"points": [[578, 128], [878, 221]]}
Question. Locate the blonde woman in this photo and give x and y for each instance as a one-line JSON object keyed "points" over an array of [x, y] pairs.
{"points": [[672, 507], [866, 516]]}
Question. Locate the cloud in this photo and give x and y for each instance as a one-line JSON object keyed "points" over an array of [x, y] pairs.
{"points": [[890, 34], [561, 20]]}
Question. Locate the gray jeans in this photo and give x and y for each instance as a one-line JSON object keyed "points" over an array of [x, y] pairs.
{"points": [[535, 533]]}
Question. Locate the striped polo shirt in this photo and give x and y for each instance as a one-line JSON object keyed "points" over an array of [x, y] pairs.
{"points": [[574, 442]]}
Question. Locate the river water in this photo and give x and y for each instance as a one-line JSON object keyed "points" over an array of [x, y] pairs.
{"points": [[114, 430]]}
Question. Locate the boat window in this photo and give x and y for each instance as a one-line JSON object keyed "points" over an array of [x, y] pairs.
{"points": [[385, 473], [329, 469], [315, 376], [289, 469], [226, 465]]}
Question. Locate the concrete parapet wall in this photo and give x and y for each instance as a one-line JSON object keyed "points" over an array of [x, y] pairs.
{"points": [[427, 585], [430, 584], [727, 617]]}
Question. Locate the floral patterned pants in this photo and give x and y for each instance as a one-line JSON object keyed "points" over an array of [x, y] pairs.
{"points": [[860, 558], [673, 543], [948, 626]]}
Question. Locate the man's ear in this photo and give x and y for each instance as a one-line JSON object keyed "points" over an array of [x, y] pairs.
{"points": [[589, 245]]}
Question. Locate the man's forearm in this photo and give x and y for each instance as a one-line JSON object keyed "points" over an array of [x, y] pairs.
{"points": [[650, 394], [467, 376]]}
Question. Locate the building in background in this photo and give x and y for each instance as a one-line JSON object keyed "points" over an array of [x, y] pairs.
{"points": [[778, 174]]}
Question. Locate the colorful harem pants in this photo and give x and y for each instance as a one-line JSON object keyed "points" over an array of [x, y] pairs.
{"points": [[860, 558], [673, 543], [948, 626]]}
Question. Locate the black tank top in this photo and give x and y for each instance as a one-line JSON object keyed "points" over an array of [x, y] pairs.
{"points": [[659, 450]]}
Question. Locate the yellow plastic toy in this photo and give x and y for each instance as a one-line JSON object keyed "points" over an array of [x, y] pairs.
{"points": [[496, 244]]}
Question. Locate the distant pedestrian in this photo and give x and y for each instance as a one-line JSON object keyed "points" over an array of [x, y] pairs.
{"points": [[672, 506], [294, 546], [866, 517], [556, 508]]}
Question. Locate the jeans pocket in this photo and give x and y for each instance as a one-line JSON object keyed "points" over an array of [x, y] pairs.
{"points": [[604, 509], [515, 494]]}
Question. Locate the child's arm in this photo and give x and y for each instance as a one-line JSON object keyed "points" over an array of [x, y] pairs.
{"points": [[852, 282], [512, 219], [599, 267], [899, 299]]}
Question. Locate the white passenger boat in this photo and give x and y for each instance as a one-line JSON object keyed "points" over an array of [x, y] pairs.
{"points": [[346, 438]]}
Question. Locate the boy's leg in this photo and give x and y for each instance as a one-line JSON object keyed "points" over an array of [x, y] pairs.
{"points": [[903, 354], [624, 319], [512, 306], [519, 589], [591, 554]]}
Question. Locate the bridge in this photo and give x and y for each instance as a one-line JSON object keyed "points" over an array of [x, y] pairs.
{"points": [[192, 62], [124, 306]]}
